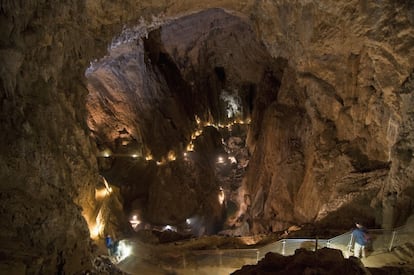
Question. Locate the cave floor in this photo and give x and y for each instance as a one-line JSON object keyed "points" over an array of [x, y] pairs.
{"points": [[169, 260]]}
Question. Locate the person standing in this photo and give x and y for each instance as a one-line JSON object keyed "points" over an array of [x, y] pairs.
{"points": [[109, 244], [360, 237]]}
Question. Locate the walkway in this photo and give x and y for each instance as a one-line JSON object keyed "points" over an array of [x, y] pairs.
{"points": [[388, 248]]}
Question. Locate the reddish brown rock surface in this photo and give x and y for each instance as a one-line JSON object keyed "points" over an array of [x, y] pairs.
{"points": [[328, 87], [323, 261]]}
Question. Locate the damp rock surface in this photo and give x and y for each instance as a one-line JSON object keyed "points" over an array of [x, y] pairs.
{"points": [[331, 131], [323, 261]]}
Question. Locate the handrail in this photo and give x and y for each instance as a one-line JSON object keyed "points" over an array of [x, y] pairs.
{"points": [[384, 240]]}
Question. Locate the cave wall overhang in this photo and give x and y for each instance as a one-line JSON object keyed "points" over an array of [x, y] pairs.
{"points": [[156, 92], [46, 48], [346, 97]]}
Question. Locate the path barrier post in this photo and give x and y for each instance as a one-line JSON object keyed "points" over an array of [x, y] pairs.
{"points": [[383, 240], [392, 240], [220, 258], [350, 244], [184, 261]]}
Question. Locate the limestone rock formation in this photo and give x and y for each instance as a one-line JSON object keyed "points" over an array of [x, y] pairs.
{"points": [[48, 167], [326, 85], [323, 261], [319, 149], [346, 85], [149, 95]]}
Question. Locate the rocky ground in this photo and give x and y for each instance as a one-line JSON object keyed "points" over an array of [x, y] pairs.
{"points": [[323, 261], [201, 256]]}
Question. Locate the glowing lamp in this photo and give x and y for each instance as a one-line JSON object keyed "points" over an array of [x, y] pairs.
{"points": [[96, 230], [101, 193], [221, 196], [171, 156], [124, 250], [134, 222], [232, 159], [106, 153], [190, 147], [169, 227]]}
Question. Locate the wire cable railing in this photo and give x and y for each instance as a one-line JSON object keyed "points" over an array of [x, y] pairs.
{"points": [[381, 242]]}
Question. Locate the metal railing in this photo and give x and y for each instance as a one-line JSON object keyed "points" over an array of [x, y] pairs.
{"points": [[381, 241], [220, 257]]}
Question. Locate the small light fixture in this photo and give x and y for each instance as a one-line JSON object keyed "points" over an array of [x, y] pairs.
{"points": [[232, 159], [171, 156]]}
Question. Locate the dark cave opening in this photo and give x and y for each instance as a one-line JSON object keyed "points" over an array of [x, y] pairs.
{"points": [[175, 113], [221, 74]]}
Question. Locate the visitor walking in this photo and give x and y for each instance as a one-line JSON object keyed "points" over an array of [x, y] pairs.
{"points": [[361, 239], [109, 244]]}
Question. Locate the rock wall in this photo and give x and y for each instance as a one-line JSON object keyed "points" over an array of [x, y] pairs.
{"points": [[161, 91], [347, 73], [47, 166], [350, 69], [325, 119]]}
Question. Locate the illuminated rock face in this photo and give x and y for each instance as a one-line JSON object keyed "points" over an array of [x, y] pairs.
{"points": [[179, 91], [333, 142], [48, 169], [330, 142], [322, 126]]}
